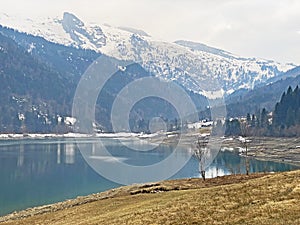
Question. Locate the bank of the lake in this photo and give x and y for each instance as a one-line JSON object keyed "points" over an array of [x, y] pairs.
{"points": [[277, 149], [235, 199]]}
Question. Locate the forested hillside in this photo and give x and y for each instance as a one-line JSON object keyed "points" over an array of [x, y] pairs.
{"points": [[284, 120], [28, 88]]}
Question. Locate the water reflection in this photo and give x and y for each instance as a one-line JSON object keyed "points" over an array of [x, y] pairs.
{"points": [[215, 172], [69, 153], [33, 174], [58, 154], [20, 161]]}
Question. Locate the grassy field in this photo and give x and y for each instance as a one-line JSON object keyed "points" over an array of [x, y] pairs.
{"points": [[256, 199]]}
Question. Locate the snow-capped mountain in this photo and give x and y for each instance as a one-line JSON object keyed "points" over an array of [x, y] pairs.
{"points": [[200, 68]]}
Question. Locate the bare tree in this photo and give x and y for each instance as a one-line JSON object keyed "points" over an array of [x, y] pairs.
{"points": [[200, 152]]}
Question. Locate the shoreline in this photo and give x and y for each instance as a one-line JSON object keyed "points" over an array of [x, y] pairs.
{"points": [[276, 149], [132, 190], [72, 135], [282, 150], [256, 193]]}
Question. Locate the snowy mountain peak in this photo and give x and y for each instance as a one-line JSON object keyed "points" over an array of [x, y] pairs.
{"points": [[71, 21], [79, 34], [197, 67]]}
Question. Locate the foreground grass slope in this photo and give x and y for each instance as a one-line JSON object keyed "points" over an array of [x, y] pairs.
{"points": [[257, 199]]}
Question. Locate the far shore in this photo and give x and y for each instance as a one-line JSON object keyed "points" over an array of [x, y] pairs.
{"points": [[71, 135], [279, 149]]}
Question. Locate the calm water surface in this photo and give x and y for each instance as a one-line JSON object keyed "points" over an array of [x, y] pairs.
{"points": [[39, 172]]}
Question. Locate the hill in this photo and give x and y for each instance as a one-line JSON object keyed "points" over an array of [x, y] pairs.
{"points": [[263, 96], [39, 79], [236, 199], [28, 87]]}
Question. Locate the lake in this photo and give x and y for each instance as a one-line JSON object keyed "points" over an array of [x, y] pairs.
{"points": [[39, 172]]}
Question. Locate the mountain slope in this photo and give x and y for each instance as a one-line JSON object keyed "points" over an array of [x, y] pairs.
{"points": [[62, 49], [194, 46], [197, 67], [28, 87], [39, 79], [265, 96], [72, 62]]}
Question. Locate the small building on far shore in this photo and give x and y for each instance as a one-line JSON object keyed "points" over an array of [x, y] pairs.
{"points": [[200, 124]]}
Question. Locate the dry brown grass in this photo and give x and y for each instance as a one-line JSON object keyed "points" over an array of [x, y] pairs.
{"points": [[270, 199]]}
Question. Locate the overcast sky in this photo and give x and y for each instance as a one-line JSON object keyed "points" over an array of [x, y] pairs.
{"points": [[253, 28]]}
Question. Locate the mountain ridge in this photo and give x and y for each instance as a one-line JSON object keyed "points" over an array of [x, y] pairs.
{"points": [[197, 69]]}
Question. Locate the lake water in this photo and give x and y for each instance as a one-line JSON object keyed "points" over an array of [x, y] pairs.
{"points": [[39, 172]]}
